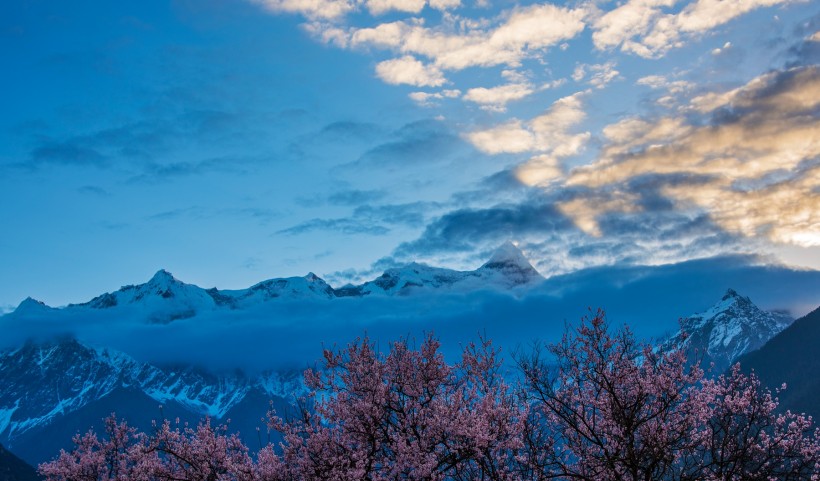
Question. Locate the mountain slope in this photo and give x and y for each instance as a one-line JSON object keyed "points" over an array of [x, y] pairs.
{"points": [[52, 390], [726, 331], [13, 468], [792, 357]]}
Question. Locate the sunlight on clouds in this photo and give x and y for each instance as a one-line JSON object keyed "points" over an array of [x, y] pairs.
{"points": [[547, 133], [408, 70], [511, 137], [758, 160], [584, 211], [539, 170], [787, 212]]}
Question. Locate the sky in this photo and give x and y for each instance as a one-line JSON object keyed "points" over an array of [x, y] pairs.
{"points": [[231, 141]]}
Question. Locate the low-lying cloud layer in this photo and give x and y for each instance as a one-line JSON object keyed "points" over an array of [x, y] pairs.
{"points": [[290, 334]]}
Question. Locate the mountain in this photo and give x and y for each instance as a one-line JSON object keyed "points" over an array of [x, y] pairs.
{"points": [[13, 468], [732, 327], [792, 357], [165, 299], [51, 390]]}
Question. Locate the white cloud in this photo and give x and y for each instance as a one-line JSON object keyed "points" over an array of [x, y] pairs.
{"points": [[548, 133], [580, 72], [519, 35], [428, 99], [408, 70], [602, 74], [644, 27], [496, 98], [312, 9], [379, 7], [511, 137]]}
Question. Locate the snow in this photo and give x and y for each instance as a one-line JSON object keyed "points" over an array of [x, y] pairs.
{"points": [[5, 415], [730, 328]]}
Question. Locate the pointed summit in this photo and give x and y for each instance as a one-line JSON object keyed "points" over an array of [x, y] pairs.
{"points": [[508, 254], [30, 305], [730, 293], [512, 264], [730, 328], [162, 277]]}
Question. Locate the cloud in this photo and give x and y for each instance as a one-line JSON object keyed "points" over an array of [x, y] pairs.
{"points": [[757, 147], [467, 229], [518, 34], [93, 190], [70, 153], [312, 9], [545, 133], [379, 7], [497, 98], [644, 28], [420, 141], [356, 197], [599, 74], [343, 226], [428, 99], [407, 70], [369, 219]]}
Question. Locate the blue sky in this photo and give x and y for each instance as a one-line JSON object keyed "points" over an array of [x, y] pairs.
{"points": [[230, 141]]}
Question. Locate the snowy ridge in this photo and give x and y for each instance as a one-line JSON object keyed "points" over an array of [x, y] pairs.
{"points": [[165, 299], [43, 381], [730, 328]]}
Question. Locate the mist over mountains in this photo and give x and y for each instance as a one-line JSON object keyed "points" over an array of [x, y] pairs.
{"points": [[284, 323]]}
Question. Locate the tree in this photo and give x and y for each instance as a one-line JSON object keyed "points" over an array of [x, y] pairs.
{"points": [[619, 409], [595, 406], [407, 415]]}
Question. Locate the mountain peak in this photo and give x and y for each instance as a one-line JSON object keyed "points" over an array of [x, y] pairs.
{"points": [[508, 254], [730, 294], [162, 277], [510, 261], [31, 304]]}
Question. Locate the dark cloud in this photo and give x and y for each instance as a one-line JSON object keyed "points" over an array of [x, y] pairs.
{"points": [[70, 153], [417, 142], [347, 130], [346, 226], [412, 214], [356, 197], [368, 219], [93, 190], [466, 229]]}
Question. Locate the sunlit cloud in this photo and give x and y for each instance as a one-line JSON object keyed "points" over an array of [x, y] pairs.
{"points": [[758, 150]]}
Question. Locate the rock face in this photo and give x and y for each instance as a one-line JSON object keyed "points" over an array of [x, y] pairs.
{"points": [[732, 327]]}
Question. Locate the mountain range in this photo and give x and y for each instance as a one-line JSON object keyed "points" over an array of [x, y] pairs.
{"points": [[53, 388], [164, 299]]}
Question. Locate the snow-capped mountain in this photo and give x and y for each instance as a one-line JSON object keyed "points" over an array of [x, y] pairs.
{"points": [[732, 327], [164, 299], [506, 269], [44, 384]]}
